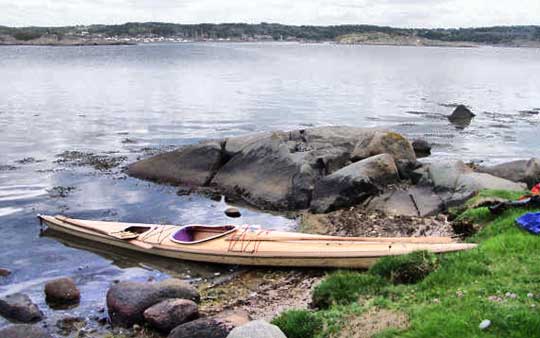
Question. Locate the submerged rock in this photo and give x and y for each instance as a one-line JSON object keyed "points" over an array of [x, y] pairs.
{"points": [[258, 329], [61, 292], [461, 117], [170, 313], [24, 331], [70, 324], [354, 183], [20, 308], [4, 272], [526, 171], [214, 327], [127, 301]]}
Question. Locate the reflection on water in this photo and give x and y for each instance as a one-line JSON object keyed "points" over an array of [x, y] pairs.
{"points": [[125, 101]]}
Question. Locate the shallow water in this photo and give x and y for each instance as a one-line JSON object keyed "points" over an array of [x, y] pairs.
{"points": [[121, 101]]}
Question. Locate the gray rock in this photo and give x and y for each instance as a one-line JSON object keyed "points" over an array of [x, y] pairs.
{"points": [[461, 117], [193, 165], [170, 313], [214, 327], [24, 331], [384, 142], [455, 182], [62, 291], [354, 183], [414, 201], [127, 301], [421, 148], [4, 272], [526, 171], [234, 145], [257, 329], [19, 307]]}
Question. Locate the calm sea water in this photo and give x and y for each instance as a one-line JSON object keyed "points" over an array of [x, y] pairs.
{"points": [[118, 101]]}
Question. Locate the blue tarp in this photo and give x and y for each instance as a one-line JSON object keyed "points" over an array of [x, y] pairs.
{"points": [[530, 222]]}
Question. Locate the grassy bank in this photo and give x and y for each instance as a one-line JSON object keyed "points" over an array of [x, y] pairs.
{"points": [[498, 281]]}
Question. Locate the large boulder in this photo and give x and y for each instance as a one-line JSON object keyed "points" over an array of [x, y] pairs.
{"points": [[526, 171], [214, 327], [354, 183], [456, 182], [61, 292], [24, 331], [384, 142], [127, 301], [19, 307], [170, 313], [193, 165], [257, 329], [413, 201]]}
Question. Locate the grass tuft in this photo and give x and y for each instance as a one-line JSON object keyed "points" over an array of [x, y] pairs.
{"points": [[406, 269], [299, 323], [344, 287]]}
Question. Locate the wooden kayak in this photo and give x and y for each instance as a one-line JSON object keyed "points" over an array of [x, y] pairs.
{"points": [[244, 245]]}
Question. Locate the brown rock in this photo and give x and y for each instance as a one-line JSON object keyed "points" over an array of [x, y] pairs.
{"points": [[19, 307], [170, 313], [62, 291], [4, 272]]}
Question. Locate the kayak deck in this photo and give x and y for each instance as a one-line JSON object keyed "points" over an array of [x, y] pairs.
{"points": [[230, 244]]}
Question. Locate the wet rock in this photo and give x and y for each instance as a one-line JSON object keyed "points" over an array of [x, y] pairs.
{"points": [[526, 171], [127, 301], [461, 117], [60, 191], [421, 148], [61, 292], [98, 162], [233, 212], [257, 328], [214, 327], [24, 331], [414, 201], [384, 143], [70, 324], [20, 308], [4, 272], [170, 313], [193, 165], [184, 191], [354, 183]]}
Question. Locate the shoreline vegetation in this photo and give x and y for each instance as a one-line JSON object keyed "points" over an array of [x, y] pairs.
{"points": [[152, 32]]}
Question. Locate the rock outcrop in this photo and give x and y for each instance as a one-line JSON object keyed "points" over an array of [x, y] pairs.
{"points": [[276, 171], [526, 171], [354, 183], [19, 307], [127, 301]]}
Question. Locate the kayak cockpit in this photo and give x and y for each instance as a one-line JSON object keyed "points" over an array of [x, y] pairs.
{"points": [[192, 234]]}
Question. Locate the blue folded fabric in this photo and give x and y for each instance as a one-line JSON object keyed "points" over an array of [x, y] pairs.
{"points": [[530, 222]]}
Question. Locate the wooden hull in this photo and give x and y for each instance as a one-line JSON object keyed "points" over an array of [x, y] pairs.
{"points": [[287, 250]]}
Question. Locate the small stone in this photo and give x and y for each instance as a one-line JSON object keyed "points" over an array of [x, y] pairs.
{"points": [[217, 274], [484, 324], [233, 212], [136, 327], [4, 272], [530, 295], [69, 324]]}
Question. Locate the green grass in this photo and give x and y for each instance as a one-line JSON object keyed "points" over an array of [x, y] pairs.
{"points": [[299, 323], [467, 287], [406, 269]]}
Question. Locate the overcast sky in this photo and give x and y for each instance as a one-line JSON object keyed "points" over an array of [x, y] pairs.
{"points": [[400, 13]]}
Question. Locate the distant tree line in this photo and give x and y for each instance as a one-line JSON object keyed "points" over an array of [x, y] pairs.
{"points": [[491, 35]]}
